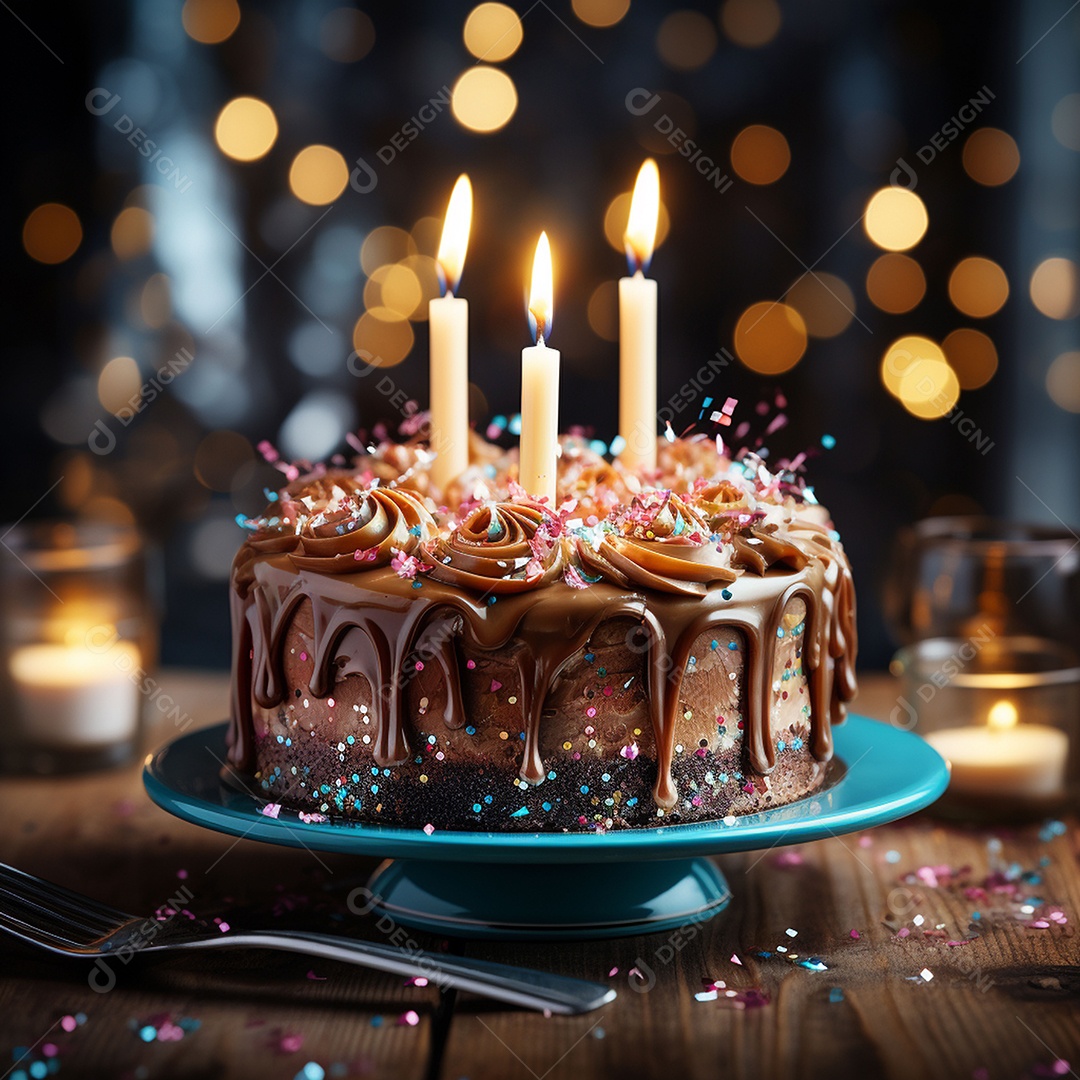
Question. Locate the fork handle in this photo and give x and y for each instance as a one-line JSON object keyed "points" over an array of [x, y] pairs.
{"points": [[515, 985]]}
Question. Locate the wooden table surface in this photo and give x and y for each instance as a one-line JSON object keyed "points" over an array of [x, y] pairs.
{"points": [[1003, 1004]]}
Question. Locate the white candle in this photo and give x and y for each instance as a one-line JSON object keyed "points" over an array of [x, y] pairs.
{"points": [[448, 319], [540, 387], [637, 326], [1004, 758], [73, 696]]}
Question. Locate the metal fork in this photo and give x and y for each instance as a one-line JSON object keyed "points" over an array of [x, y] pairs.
{"points": [[71, 924]]}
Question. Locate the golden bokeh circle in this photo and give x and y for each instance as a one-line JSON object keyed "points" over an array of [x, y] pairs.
{"points": [[119, 383], [132, 232], [895, 283], [770, 337], [210, 21], [603, 311], [1063, 381], [686, 40], [382, 342], [991, 156], [895, 219], [52, 233], [246, 129], [483, 99], [825, 302], [972, 355], [905, 356], [760, 154], [600, 13], [1055, 288], [493, 32], [978, 287], [385, 244], [346, 35], [750, 23], [318, 175]]}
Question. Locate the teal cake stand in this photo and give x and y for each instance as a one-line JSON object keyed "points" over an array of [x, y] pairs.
{"points": [[560, 885]]}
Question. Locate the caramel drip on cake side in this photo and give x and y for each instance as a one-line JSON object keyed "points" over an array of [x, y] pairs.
{"points": [[369, 623]]}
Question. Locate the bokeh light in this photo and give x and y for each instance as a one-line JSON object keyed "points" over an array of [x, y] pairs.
{"points": [[603, 311], [906, 355], [484, 99], [972, 355], [895, 283], [991, 156], [895, 219], [385, 244], [246, 128], [825, 302], [750, 23], [132, 232], [600, 12], [210, 21], [1055, 288], [318, 175], [52, 233], [686, 40], [492, 32], [346, 35], [118, 383], [155, 301], [770, 337], [1065, 121], [978, 287], [617, 216], [1063, 381], [317, 424], [760, 154], [382, 337]]}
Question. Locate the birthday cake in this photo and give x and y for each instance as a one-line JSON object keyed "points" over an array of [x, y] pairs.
{"points": [[646, 650]]}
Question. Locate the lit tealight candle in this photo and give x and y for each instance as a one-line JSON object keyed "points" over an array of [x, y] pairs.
{"points": [[74, 696], [448, 319], [1004, 758], [540, 386], [637, 326]]}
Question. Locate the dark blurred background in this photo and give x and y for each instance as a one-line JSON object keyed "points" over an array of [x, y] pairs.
{"points": [[210, 204]]}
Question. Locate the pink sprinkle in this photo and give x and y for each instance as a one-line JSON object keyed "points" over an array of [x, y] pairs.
{"points": [[855, 935], [696, 800], [470, 664], [410, 1017], [271, 809], [68, 1023], [417, 980], [331, 702], [613, 972], [495, 685], [590, 712], [1061, 1067], [637, 972], [303, 656], [608, 691], [419, 665], [630, 752], [315, 978], [223, 927], [903, 932], [729, 406], [789, 858], [429, 828], [169, 1032], [289, 1044], [736, 960], [1039, 924]]}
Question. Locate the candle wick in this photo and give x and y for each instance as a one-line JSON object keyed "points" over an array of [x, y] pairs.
{"points": [[540, 336]]}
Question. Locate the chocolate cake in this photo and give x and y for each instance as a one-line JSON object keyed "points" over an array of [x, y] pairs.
{"points": [[652, 651]]}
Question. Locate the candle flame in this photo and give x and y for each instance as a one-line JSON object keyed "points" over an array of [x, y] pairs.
{"points": [[541, 291], [455, 234], [640, 236], [1003, 715]]}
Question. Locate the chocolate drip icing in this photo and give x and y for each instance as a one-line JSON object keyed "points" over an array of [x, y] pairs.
{"points": [[369, 622]]}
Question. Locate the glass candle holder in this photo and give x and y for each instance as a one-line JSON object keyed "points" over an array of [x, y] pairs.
{"points": [[957, 577], [77, 643], [1004, 711]]}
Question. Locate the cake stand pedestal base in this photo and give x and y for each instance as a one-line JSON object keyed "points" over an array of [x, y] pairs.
{"points": [[550, 902]]}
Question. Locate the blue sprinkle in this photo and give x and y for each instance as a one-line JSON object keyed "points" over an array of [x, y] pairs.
{"points": [[417, 583], [632, 802], [470, 730], [598, 446], [522, 736], [590, 657], [148, 1033], [828, 441], [523, 812], [374, 789], [415, 530], [311, 1071], [779, 631], [551, 775], [584, 789], [781, 746], [271, 496], [976, 915], [376, 1021], [715, 645], [350, 739], [476, 808], [491, 600], [243, 522], [725, 593], [546, 806], [39, 1070], [733, 646], [515, 424], [836, 994], [499, 422], [488, 799]]}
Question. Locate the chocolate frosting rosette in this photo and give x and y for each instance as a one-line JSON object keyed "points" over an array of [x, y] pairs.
{"points": [[360, 529], [661, 542], [501, 547]]}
